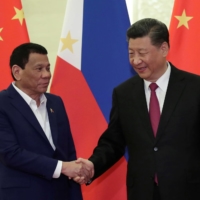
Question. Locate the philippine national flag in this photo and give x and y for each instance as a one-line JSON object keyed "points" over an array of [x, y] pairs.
{"points": [[93, 59]]}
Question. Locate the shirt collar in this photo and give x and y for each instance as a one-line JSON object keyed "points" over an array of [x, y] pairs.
{"points": [[27, 98], [162, 82]]}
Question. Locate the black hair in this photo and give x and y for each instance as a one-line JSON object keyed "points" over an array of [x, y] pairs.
{"points": [[155, 29]]}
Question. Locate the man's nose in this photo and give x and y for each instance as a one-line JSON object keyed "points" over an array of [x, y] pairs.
{"points": [[46, 73], [136, 60]]}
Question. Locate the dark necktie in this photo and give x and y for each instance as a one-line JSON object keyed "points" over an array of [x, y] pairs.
{"points": [[154, 110]]}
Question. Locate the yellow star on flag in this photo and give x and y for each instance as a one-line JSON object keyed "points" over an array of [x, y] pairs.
{"points": [[0, 36], [183, 20], [68, 42], [19, 15]]}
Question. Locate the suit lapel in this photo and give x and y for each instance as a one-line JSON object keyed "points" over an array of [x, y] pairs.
{"points": [[139, 100], [175, 89], [19, 103], [52, 120]]}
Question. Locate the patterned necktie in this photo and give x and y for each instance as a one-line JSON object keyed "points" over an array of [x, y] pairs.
{"points": [[154, 110]]}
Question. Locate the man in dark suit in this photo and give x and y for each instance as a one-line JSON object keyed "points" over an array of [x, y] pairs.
{"points": [[36, 145], [164, 161]]}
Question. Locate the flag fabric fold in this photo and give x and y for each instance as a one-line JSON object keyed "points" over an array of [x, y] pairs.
{"points": [[92, 59], [13, 32], [184, 40]]}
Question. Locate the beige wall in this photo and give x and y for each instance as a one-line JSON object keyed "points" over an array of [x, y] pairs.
{"points": [[44, 19], [160, 9]]}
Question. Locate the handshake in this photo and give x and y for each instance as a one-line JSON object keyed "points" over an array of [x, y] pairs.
{"points": [[80, 170]]}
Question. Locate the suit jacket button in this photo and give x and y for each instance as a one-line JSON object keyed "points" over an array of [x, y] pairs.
{"points": [[155, 148]]}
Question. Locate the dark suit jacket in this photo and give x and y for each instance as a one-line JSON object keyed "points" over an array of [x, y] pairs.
{"points": [[176, 160], [27, 160]]}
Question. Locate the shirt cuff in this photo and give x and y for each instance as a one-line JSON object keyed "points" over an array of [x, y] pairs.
{"points": [[57, 171]]}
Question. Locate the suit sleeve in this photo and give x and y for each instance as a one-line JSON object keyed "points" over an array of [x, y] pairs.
{"points": [[14, 156], [111, 144], [64, 126]]}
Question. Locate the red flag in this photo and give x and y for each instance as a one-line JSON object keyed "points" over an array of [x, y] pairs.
{"points": [[184, 35], [13, 32]]}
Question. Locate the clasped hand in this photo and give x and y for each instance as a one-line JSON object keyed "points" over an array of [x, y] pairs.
{"points": [[80, 170]]}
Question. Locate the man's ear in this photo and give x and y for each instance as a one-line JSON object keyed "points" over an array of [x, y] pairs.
{"points": [[165, 49], [16, 71]]}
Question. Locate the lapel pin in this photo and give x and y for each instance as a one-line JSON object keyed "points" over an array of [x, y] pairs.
{"points": [[51, 110]]}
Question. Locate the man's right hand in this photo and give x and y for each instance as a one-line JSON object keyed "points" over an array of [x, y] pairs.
{"points": [[87, 171], [71, 169]]}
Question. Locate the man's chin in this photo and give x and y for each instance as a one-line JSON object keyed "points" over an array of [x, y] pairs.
{"points": [[143, 76], [43, 90]]}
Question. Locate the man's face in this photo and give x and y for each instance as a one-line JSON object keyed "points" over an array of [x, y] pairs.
{"points": [[34, 78], [147, 60]]}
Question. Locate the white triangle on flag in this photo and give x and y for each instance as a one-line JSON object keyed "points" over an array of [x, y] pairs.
{"points": [[71, 38]]}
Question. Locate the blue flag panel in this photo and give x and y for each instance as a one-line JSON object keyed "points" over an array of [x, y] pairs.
{"points": [[105, 61]]}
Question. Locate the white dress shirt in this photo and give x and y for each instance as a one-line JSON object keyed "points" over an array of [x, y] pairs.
{"points": [[162, 83], [41, 114]]}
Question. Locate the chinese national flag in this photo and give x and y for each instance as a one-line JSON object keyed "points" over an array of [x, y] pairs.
{"points": [[184, 35], [13, 32]]}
